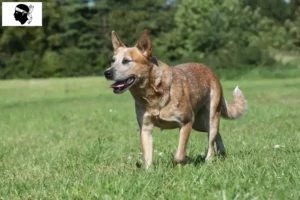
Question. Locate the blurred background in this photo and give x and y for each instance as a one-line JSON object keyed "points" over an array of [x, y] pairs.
{"points": [[233, 37]]}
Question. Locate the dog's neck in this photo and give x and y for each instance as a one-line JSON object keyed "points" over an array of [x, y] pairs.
{"points": [[153, 90]]}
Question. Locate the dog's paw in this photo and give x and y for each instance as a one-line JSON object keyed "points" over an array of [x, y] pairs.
{"points": [[222, 154], [210, 159], [184, 161]]}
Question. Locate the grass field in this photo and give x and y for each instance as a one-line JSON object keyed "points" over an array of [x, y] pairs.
{"points": [[75, 139]]}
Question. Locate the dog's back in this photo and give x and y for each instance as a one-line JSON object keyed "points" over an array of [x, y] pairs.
{"points": [[202, 80]]}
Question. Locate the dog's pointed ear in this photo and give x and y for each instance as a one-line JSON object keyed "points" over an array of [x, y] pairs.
{"points": [[116, 42], [144, 44]]}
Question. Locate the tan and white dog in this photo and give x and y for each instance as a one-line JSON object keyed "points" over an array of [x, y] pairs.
{"points": [[188, 96]]}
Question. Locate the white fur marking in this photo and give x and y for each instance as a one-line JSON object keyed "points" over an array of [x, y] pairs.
{"points": [[237, 91]]}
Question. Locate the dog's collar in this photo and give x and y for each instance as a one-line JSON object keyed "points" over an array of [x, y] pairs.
{"points": [[154, 60]]}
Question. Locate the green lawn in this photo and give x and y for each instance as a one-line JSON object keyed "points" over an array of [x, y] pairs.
{"points": [[75, 139]]}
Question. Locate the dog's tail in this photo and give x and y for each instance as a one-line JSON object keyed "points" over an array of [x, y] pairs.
{"points": [[237, 109]]}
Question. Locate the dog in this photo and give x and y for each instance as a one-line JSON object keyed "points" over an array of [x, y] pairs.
{"points": [[188, 96]]}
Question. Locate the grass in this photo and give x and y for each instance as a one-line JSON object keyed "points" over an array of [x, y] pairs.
{"points": [[74, 139]]}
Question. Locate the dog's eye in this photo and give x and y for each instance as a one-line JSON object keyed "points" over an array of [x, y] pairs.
{"points": [[113, 60], [125, 61]]}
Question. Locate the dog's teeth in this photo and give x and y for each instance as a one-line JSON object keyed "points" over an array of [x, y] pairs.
{"points": [[129, 80]]}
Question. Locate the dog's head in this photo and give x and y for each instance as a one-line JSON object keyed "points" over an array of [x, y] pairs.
{"points": [[129, 65]]}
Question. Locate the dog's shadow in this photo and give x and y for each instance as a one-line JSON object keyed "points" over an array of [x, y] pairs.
{"points": [[200, 159], [195, 161]]}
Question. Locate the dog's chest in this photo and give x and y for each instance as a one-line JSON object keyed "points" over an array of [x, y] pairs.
{"points": [[164, 119], [160, 123]]}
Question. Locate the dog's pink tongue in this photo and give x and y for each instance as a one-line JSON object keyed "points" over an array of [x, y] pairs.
{"points": [[117, 86]]}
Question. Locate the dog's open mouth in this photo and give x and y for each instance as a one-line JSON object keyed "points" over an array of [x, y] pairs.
{"points": [[121, 86]]}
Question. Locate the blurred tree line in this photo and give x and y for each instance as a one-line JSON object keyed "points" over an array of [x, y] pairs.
{"points": [[75, 37]]}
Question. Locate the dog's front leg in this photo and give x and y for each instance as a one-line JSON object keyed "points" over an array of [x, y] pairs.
{"points": [[184, 135], [146, 128], [147, 140]]}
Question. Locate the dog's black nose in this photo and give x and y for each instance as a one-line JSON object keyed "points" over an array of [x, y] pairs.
{"points": [[108, 74]]}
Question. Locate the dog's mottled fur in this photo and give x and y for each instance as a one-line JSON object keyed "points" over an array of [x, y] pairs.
{"points": [[188, 96]]}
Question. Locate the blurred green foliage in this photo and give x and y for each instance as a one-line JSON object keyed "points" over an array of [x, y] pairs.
{"points": [[75, 37]]}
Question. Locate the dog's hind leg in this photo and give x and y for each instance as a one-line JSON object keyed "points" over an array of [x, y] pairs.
{"points": [[201, 124], [212, 135], [214, 120], [220, 146]]}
